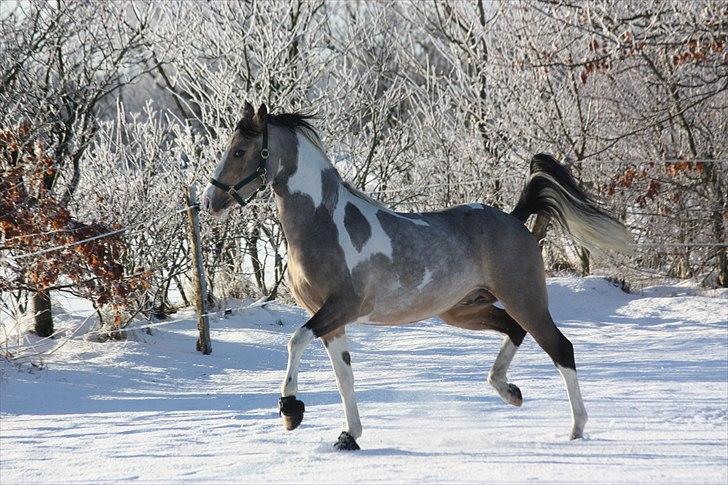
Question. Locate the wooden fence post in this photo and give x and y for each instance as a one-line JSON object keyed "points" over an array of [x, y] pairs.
{"points": [[198, 271]]}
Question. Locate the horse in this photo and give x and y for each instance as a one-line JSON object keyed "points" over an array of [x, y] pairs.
{"points": [[351, 259]]}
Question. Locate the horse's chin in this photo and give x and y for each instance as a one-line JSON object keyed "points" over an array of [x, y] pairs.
{"points": [[219, 214]]}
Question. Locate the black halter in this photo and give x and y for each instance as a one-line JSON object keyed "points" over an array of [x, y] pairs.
{"points": [[259, 173]]}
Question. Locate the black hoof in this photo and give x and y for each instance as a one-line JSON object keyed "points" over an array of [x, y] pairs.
{"points": [[291, 410], [516, 398], [346, 442]]}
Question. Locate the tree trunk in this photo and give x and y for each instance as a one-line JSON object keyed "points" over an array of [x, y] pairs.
{"points": [[182, 294], [43, 320], [583, 254], [258, 270], [710, 175]]}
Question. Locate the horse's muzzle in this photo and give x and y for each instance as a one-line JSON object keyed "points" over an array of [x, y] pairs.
{"points": [[215, 202]]}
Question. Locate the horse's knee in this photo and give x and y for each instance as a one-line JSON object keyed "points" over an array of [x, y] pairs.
{"points": [[300, 338]]}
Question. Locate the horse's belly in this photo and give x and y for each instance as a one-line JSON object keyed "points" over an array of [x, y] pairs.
{"points": [[401, 305]]}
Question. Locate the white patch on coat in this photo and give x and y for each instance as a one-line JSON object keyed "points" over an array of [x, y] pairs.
{"points": [[280, 167], [363, 319], [345, 383], [379, 241], [426, 278], [415, 219], [310, 164], [209, 192], [218, 170]]}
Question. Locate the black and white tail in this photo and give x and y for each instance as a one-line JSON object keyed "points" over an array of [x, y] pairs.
{"points": [[552, 190]]}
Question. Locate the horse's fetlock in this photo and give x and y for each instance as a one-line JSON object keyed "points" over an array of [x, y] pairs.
{"points": [[355, 431]]}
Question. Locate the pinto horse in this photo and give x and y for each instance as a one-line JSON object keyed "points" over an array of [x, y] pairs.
{"points": [[353, 260]]}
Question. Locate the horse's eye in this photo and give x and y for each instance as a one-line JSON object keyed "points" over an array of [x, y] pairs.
{"points": [[239, 153]]}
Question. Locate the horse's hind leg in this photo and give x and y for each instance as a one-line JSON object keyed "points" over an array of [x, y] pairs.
{"points": [[488, 317], [529, 307]]}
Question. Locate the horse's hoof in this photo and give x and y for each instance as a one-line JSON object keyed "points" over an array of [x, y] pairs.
{"points": [[346, 442], [514, 395], [291, 410]]}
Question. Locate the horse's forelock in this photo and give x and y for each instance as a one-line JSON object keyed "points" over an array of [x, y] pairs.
{"points": [[247, 128]]}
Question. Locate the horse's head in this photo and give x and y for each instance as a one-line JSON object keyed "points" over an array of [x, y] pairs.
{"points": [[241, 171]]}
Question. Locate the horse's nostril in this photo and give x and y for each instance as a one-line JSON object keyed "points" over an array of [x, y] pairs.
{"points": [[205, 203]]}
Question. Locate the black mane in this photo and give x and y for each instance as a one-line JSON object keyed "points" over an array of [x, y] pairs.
{"points": [[292, 121]]}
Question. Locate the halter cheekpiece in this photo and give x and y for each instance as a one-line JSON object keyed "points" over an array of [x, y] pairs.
{"points": [[259, 173]]}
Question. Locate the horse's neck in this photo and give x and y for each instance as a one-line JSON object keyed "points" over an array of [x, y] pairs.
{"points": [[313, 170], [310, 174]]}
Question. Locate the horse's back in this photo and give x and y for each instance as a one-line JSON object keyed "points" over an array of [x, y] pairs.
{"points": [[490, 232], [440, 257]]}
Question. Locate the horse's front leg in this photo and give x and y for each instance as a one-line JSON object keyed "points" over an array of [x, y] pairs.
{"points": [[328, 319], [341, 361]]}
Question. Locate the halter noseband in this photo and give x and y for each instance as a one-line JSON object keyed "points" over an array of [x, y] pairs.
{"points": [[232, 190]]}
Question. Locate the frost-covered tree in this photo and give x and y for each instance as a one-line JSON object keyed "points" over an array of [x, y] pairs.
{"points": [[423, 104]]}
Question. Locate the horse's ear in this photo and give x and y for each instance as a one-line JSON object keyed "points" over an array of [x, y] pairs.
{"points": [[260, 116], [262, 113], [248, 111]]}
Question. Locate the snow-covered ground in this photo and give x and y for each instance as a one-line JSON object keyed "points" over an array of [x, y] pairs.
{"points": [[653, 367]]}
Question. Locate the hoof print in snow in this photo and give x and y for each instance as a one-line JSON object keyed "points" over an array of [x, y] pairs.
{"points": [[346, 442], [291, 410], [514, 395]]}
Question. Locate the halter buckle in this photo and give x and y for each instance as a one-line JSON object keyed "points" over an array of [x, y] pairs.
{"points": [[264, 153], [231, 191]]}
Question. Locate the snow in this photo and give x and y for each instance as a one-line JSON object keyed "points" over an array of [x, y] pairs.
{"points": [[653, 368]]}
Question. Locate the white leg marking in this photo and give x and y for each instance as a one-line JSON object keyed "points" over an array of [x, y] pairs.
{"points": [[497, 376], [578, 411], [337, 349], [298, 343]]}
